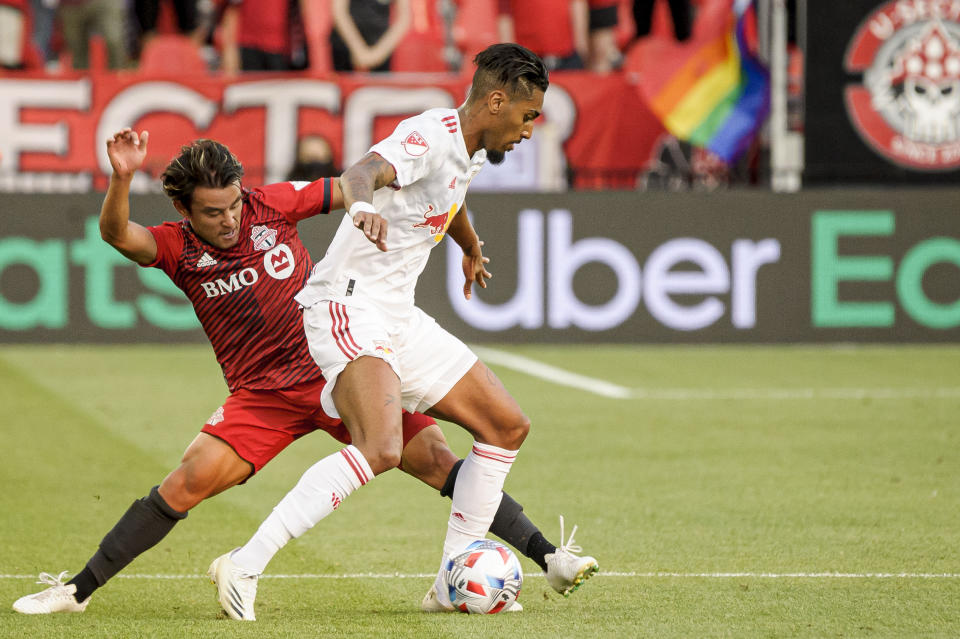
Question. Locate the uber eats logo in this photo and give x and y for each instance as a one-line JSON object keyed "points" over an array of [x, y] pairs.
{"points": [[833, 265], [47, 302]]}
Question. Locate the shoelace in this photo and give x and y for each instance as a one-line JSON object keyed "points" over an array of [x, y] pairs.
{"points": [[50, 580], [569, 546]]}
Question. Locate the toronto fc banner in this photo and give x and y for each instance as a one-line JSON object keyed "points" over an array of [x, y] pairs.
{"points": [[883, 92], [53, 129]]}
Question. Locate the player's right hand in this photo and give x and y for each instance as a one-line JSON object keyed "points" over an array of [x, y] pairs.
{"points": [[374, 226], [127, 151]]}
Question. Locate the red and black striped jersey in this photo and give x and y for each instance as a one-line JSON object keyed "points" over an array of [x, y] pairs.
{"points": [[243, 296]]}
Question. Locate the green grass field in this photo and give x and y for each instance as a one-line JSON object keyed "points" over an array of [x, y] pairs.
{"points": [[740, 492]]}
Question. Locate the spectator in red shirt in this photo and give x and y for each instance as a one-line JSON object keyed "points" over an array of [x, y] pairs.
{"points": [[556, 30], [258, 35]]}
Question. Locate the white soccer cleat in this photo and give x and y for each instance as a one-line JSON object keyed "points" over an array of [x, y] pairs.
{"points": [[236, 587], [432, 603], [565, 570], [57, 598]]}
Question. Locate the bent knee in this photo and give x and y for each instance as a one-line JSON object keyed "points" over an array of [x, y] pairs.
{"points": [[383, 459], [183, 489], [509, 433], [518, 431]]}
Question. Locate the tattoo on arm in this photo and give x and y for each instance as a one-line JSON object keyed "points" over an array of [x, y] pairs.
{"points": [[491, 377], [366, 176], [390, 400]]}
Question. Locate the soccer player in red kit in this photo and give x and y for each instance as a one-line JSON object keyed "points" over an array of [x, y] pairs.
{"points": [[237, 256]]}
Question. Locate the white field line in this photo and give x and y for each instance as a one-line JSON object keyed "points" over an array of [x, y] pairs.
{"points": [[636, 575], [604, 388], [796, 393], [552, 373]]}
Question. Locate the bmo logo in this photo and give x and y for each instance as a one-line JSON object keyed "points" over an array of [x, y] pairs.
{"points": [[236, 281], [278, 262]]}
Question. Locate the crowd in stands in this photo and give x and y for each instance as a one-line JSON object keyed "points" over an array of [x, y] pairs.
{"points": [[235, 36], [319, 37]]}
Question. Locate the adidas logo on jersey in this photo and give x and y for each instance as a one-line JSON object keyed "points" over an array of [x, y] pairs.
{"points": [[205, 260]]}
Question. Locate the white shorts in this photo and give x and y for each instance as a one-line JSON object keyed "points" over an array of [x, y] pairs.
{"points": [[428, 360]]}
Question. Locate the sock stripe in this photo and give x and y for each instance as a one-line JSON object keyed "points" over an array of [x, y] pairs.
{"points": [[355, 465], [486, 454]]}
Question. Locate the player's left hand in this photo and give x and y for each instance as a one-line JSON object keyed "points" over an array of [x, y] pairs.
{"points": [[374, 226], [475, 270]]}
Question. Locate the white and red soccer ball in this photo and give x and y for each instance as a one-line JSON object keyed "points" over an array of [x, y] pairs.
{"points": [[484, 579]]}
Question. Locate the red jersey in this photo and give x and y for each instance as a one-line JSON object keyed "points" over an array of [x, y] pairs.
{"points": [[243, 296], [264, 25]]}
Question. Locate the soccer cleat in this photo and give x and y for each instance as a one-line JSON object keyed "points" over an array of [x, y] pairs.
{"points": [[236, 587], [431, 603], [565, 570], [57, 598]]}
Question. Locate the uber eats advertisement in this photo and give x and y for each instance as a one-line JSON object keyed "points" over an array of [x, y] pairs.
{"points": [[819, 266]]}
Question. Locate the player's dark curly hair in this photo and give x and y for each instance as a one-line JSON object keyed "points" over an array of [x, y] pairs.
{"points": [[508, 66], [205, 163]]}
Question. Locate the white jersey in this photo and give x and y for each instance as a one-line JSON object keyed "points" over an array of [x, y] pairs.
{"points": [[433, 170]]}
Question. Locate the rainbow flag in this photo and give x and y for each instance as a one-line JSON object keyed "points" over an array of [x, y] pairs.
{"points": [[710, 91]]}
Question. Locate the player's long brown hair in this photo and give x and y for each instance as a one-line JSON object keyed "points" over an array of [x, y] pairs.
{"points": [[205, 163]]}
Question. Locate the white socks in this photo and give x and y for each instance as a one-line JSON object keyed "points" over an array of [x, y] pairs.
{"points": [[324, 485], [476, 495], [318, 493]]}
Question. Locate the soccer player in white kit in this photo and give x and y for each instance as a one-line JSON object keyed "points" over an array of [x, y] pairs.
{"points": [[379, 352]]}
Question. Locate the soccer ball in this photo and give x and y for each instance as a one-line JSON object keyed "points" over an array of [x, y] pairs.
{"points": [[484, 579]]}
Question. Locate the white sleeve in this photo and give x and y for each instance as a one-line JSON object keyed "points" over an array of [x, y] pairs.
{"points": [[415, 148]]}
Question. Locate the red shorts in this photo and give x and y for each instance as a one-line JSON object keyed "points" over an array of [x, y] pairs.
{"points": [[258, 424]]}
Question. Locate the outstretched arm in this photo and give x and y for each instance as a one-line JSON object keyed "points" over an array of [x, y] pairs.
{"points": [[357, 185], [126, 150], [474, 263]]}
